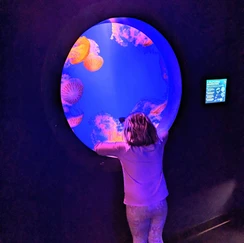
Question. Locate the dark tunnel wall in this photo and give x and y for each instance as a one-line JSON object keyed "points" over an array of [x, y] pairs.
{"points": [[53, 189]]}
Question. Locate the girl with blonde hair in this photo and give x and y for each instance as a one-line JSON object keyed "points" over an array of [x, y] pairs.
{"points": [[141, 157]]}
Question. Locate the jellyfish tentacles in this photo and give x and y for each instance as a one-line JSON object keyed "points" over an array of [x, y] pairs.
{"points": [[124, 34]]}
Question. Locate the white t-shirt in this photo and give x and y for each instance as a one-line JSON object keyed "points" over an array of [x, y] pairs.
{"points": [[144, 181]]}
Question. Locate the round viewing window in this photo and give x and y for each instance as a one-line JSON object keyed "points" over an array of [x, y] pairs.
{"points": [[119, 66]]}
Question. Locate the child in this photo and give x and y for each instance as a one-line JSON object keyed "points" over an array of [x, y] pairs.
{"points": [[141, 157]]}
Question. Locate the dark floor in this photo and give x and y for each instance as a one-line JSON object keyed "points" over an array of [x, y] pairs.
{"points": [[231, 232]]}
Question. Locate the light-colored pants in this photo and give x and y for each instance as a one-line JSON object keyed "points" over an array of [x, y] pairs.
{"points": [[147, 222]]}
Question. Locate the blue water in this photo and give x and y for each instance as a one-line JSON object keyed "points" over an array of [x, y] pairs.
{"points": [[129, 74]]}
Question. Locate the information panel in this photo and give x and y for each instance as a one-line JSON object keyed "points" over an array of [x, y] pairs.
{"points": [[215, 90]]}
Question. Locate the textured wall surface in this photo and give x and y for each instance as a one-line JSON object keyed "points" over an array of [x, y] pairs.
{"points": [[53, 189]]}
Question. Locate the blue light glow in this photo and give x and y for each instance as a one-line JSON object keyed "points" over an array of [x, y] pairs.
{"points": [[128, 66]]}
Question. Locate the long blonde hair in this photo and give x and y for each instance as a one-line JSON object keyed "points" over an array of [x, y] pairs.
{"points": [[139, 130]]}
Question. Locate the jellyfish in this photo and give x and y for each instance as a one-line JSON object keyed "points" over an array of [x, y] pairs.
{"points": [[93, 62], [158, 109], [144, 106], [106, 128], [94, 48], [78, 54], [147, 42], [71, 92], [75, 121], [79, 51], [152, 108], [139, 37], [65, 78], [116, 34], [124, 34], [115, 136], [155, 114], [75, 110], [81, 41]]}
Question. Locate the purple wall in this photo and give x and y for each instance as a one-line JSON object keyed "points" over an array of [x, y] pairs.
{"points": [[53, 189]]}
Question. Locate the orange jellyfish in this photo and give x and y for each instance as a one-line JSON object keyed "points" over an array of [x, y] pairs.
{"points": [[115, 136], [158, 109], [75, 121], [108, 128], [81, 41], [93, 62], [147, 42], [71, 92], [80, 50]]}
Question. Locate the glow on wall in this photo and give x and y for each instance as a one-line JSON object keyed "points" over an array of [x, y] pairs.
{"points": [[116, 67]]}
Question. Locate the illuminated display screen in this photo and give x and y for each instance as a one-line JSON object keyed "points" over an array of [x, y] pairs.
{"points": [[215, 90], [119, 66]]}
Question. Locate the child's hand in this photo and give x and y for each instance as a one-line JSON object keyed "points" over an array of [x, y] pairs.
{"points": [[163, 135]]}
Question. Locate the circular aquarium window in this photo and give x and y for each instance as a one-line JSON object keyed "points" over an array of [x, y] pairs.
{"points": [[119, 66]]}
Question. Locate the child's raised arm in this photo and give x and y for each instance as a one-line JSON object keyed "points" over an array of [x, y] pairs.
{"points": [[109, 148], [163, 135]]}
